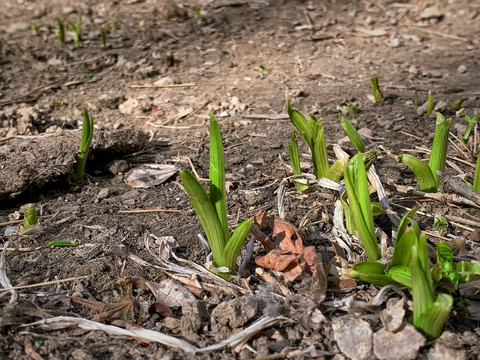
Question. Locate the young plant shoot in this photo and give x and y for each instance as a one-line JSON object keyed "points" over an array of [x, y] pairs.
{"points": [[352, 134], [430, 312], [30, 218], [377, 94], [313, 133], [60, 33], [427, 176], [77, 30], [211, 208], [430, 105], [85, 141], [360, 207], [295, 160], [103, 38], [476, 177], [470, 124]]}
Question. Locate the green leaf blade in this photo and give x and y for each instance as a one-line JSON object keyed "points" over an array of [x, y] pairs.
{"points": [[206, 214], [235, 243], [218, 193], [352, 134]]}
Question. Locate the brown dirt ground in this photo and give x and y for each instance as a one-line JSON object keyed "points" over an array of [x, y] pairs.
{"points": [[323, 52]]}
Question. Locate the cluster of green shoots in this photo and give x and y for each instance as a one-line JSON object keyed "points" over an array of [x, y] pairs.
{"points": [[211, 208], [76, 28], [434, 289], [313, 133], [427, 176]]}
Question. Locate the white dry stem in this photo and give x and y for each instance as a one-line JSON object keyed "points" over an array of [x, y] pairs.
{"points": [[350, 304], [167, 265], [248, 255], [205, 244], [150, 335], [339, 231], [4, 281], [382, 196]]}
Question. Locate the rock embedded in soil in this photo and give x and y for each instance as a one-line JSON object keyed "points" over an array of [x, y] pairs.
{"points": [[353, 336], [401, 345], [236, 312]]}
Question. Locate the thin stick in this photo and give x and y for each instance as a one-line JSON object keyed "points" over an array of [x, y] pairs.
{"points": [[44, 86], [446, 35], [163, 86], [436, 235], [453, 219], [173, 126], [148, 211], [27, 249], [43, 283], [266, 116]]}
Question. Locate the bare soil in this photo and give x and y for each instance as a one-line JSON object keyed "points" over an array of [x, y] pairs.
{"points": [[234, 58]]}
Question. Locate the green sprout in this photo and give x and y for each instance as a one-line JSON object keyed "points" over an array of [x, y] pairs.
{"points": [[352, 134], [30, 218], [441, 224], [85, 141], [434, 290], [416, 102], [103, 38], [459, 103], [313, 133], [295, 160], [350, 109], [60, 33], [211, 208], [34, 28], [430, 105], [470, 124], [263, 70], [427, 176], [476, 177], [77, 30], [430, 312], [197, 13], [376, 92], [360, 207]]}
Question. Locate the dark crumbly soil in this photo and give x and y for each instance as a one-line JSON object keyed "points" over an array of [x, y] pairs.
{"points": [[323, 52]]}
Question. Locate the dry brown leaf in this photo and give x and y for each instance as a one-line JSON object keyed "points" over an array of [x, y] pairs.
{"points": [[289, 256], [122, 310], [276, 260], [161, 309]]}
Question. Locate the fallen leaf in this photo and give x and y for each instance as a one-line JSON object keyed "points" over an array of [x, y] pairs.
{"points": [[122, 310], [150, 175], [170, 292], [289, 254], [276, 260], [161, 309]]}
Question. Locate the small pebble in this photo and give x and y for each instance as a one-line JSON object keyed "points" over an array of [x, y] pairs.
{"points": [[462, 69]]}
